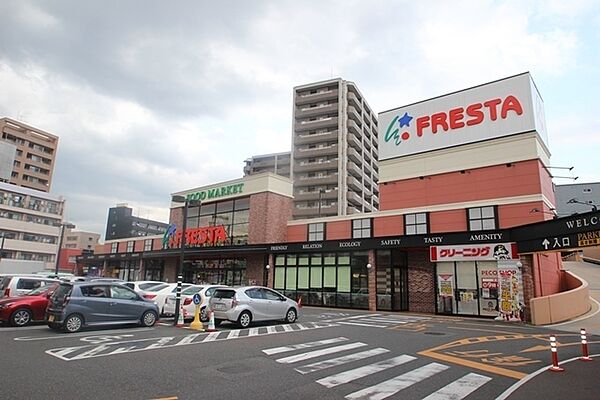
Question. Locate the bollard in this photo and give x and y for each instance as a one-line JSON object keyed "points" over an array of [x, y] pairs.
{"points": [[554, 367], [584, 349]]}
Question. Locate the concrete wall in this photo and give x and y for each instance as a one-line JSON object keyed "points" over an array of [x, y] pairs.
{"points": [[562, 306]]}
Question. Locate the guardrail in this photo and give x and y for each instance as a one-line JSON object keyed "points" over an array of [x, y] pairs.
{"points": [[562, 306]]}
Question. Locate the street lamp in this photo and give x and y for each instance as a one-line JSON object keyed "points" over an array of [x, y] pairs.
{"points": [[63, 225], [589, 203], [186, 203], [267, 267]]}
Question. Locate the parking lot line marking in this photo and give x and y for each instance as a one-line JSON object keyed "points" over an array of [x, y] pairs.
{"points": [[392, 386], [349, 376], [211, 337], [287, 328], [233, 334], [271, 329], [71, 335], [283, 349], [359, 324], [334, 362], [188, 339], [319, 353], [91, 352], [253, 332], [460, 388]]}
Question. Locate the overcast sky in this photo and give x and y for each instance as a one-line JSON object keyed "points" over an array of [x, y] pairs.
{"points": [[153, 97]]}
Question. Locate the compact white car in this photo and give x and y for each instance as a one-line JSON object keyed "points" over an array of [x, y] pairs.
{"points": [[159, 293], [142, 286], [189, 308], [18, 285]]}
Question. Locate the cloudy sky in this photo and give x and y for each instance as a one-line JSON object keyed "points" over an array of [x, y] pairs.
{"points": [[154, 97]]}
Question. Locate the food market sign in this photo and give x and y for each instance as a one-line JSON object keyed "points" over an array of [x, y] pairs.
{"points": [[501, 108], [215, 193]]}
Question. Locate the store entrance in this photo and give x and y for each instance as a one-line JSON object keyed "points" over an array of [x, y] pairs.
{"points": [[392, 281]]}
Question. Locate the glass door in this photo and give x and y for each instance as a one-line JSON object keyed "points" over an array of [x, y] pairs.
{"points": [[466, 288]]}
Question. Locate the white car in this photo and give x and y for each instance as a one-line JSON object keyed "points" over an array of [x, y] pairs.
{"points": [[142, 286], [189, 308], [159, 293]]}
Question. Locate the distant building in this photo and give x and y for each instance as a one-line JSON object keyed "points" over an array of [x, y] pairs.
{"points": [[334, 151], [277, 163], [29, 225], [577, 198], [8, 152], [35, 154], [80, 240], [123, 224]]}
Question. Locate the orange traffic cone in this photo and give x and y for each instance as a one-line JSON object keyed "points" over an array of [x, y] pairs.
{"points": [[180, 320], [211, 323]]}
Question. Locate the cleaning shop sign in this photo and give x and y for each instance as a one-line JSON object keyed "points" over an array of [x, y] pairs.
{"points": [[215, 193]]}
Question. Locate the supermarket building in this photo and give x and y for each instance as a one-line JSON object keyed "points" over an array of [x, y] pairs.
{"points": [[461, 177]]}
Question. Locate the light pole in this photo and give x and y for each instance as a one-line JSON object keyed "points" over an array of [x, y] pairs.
{"points": [[321, 191], [186, 203], [267, 267], [63, 225]]}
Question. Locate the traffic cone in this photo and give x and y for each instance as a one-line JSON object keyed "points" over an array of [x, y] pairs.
{"points": [[211, 323], [180, 320]]}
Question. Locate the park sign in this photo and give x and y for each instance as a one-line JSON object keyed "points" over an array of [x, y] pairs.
{"points": [[215, 193], [505, 107]]}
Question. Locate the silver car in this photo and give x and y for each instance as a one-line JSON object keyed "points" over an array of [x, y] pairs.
{"points": [[251, 303]]}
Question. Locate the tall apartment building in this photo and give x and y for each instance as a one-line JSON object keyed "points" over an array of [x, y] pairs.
{"points": [[35, 155], [29, 225], [277, 163], [123, 224], [334, 151]]}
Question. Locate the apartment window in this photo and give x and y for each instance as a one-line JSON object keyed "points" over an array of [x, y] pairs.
{"points": [[114, 247], [316, 232], [361, 228], [130, 246], [148, 245], [416, 224], [482, 218]]}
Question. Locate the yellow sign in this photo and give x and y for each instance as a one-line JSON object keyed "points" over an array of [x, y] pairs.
{"points": [[588, 239]]}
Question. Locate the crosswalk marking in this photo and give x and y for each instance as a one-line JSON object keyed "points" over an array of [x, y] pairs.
{"points": [[359, 324], [460, 388], [387, 388], [211, 337], [253, 332], [287, 328], [188, 339], [277, 350], [334, 362], [271, 329], [348, 376], [233, 334], [318, 353]]}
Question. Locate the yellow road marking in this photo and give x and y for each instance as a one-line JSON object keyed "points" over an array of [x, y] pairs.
{"points": [[468, 363], [541, 347]]}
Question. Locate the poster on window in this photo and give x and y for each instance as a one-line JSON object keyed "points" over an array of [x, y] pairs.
{"points": [[510, 291], [445, 284]]}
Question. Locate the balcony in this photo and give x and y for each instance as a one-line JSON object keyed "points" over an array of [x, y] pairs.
{"points": [[316, 180], [354, 183], [353, 127], [354, 155], [316, 124], [354, 140], [317, 166], [316, 138], [352, 210], [354, 198], [355, 170], [313, 212], [354, 113], [316, 152], [353, 100], [314, 111], [316, 97], [331, 194]]}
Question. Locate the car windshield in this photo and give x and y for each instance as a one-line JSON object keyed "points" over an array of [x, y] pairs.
{"points": [[224, 294], [192, 290], [43, 289]]}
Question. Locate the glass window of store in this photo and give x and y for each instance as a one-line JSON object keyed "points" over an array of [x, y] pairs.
{"points": [[148, 245], [482, 218], [222, 271], [234, 215], [331, 279], [316, 232], [130, 246], [416, 224], [361, 228], [392, 280], [114, 247]]}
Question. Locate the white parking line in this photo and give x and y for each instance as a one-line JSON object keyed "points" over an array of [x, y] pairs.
{"points": [[72, 335], [359, 324], [460, 388], [319, 353], [277, 350], [334, 362]]}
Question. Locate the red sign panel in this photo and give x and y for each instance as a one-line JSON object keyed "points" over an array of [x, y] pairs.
{"points": [[472, 252], [204, 236]]}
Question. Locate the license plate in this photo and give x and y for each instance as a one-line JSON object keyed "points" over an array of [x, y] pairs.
{"points": [[219, 307], [50, 318]]}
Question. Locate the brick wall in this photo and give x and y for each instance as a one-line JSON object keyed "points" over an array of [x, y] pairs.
{"points": [[528, 283], [269, 213], [421, 290]]}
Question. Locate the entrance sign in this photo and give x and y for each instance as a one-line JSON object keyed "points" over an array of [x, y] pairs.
{"points": [[473, 252]]}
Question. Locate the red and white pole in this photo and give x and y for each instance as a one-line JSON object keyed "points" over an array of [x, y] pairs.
{"points": [[584, 349], [554, 367]]}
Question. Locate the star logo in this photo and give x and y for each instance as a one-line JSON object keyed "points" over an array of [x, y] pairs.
{"points": [[405, 120]]}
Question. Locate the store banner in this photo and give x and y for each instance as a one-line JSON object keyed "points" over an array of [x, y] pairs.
{"points": [[510, 295], [474, 252]]}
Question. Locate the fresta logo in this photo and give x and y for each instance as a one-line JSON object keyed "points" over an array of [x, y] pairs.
{"points": [[456, 118]]}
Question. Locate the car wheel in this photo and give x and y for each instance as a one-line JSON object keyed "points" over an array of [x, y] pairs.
{"points": [[244, 319], [149, 319], [21, 317], [73, 323], [204, 314], [290, 316]]}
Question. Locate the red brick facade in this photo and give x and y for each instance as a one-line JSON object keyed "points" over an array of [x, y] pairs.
{"points": [[421, 283]]}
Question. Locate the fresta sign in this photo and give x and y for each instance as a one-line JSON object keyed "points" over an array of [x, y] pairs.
{"points": [[214, 193]]}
